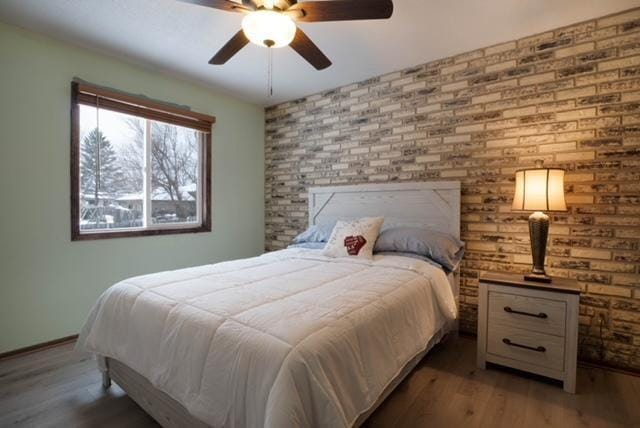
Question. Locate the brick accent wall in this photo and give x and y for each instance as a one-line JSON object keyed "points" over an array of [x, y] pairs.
{"points": [[569, 96]]}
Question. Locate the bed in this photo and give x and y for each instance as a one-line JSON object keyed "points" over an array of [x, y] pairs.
{"points": [[289, 338]]}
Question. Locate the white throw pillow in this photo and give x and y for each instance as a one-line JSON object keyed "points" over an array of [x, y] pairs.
{"points": [[354, 238]]}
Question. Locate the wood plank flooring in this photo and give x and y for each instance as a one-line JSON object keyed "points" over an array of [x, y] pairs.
{"points": [[59, 388]]}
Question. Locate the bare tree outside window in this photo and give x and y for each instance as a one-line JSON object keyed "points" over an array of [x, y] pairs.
{"points": [[174, 160]]}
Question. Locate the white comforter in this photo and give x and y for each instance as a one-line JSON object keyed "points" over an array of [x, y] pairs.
{"points": [[290, 338]]}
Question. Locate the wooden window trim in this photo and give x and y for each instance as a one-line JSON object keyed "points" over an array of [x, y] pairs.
{"points": [[83, 93]]}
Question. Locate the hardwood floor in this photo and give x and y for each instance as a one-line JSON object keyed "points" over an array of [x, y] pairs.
{"points": [[59, 388]]}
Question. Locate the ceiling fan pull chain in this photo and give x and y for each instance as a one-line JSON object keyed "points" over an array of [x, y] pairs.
{"points": [[270, 71]]}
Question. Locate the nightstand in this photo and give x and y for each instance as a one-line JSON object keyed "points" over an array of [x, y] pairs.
{"points": [[529, 326]]}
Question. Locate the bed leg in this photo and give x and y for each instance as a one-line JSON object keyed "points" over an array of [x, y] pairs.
{"points": [[103, 366], [106, 380]]}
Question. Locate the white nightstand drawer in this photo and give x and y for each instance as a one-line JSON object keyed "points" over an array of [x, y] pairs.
{"points": [[540, 349], [530, 313]]}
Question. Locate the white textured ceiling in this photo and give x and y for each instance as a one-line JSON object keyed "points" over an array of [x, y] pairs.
{"points": [[179, 38]]}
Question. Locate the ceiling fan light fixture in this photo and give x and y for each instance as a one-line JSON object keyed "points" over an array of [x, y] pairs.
{"points": [[269, 28]]}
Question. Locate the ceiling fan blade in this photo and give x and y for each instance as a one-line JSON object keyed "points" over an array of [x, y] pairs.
{"points": [[229, 6], [342, 10], [232, 47], [309, 51]]}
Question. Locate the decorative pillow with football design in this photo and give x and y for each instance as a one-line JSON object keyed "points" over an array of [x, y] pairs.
{"points": [[354, 238]]}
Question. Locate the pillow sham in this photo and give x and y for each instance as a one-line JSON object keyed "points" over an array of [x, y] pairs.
{"points": [[354, 238], [440, 247], [316, 233]]}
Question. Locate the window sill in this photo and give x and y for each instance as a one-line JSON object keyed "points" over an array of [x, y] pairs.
{"points": [[92, 236]]}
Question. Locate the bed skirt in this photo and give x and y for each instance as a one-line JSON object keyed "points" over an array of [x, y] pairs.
{"points": [[171, 414]]}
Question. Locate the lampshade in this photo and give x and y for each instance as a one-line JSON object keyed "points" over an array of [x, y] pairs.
{"points": [[269, 28], [539, 189]]}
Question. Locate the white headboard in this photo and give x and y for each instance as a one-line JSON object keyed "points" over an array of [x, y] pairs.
{"points": [[435, 205]]}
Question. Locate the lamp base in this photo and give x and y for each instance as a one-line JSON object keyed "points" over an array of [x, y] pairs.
{"points": [[537, 278], [538, 233]]}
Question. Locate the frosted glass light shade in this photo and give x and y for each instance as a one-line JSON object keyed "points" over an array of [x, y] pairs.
{"points": [[267, 27], [539, 189]]}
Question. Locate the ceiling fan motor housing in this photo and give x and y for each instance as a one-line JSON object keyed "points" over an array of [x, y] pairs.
{"points": [[268, 28]]}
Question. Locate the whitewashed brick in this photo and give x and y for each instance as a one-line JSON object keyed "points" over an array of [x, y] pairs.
{"points": [[470, 128], [402, 82], [483, 227], [619, 63], [535, 40], [454, 173], [506, 142], [519, 111], [609, 290], [574, 177], [500, 66], [454, 68], [619, 18], [575, 114], [575, 50], [579, 199], [414, 86], [487, 98], [454, 86], [591, 254], [428, 108], [358, 107], [576, 93], [389, 108], [605, 76], [500, 48], [538, 78], [575, 156], [560, 147], [456, 139], [428, 158]]}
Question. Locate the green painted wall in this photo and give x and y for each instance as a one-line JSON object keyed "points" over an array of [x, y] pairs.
{"points": [[47, 282]]}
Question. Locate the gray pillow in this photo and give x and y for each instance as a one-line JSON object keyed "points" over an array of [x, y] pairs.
{"points": [[440, 247], [316, 233], [411, 256]]}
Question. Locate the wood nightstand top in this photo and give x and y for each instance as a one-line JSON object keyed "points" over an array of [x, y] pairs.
{"points": [[559, 285]]}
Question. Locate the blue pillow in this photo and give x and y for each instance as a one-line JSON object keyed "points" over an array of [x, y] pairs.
{"points": [[316, 233], [309, 245], [440, 247]]}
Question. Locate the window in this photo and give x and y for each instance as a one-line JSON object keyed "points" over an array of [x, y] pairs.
{"points": [[138, 167]]}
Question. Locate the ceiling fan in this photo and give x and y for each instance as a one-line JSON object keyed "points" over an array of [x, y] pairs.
{"points": [[272, 23]]}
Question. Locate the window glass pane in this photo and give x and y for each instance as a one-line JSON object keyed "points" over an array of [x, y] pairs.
{"points": [[111, 170], [175, 185]]}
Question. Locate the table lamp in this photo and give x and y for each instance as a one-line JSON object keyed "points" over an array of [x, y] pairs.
{"points": [[539, 189]]}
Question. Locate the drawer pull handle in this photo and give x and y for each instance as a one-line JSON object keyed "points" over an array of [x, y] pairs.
{"points": [[541, 315], [531, 348]]}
